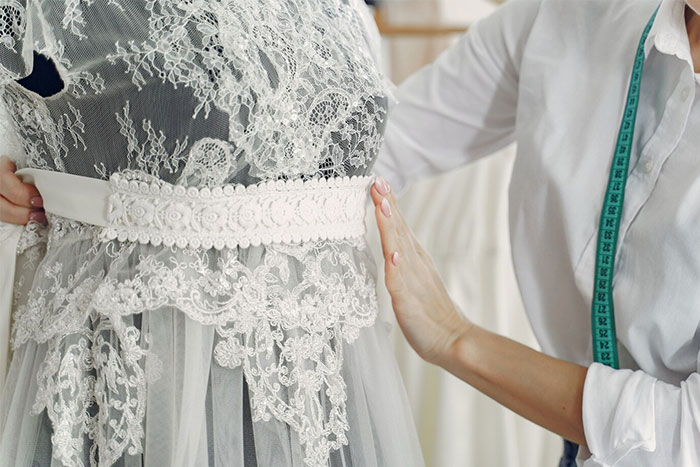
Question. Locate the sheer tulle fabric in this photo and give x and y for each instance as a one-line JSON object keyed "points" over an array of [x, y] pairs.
{"points": [[198, 413], [125, 351], [130, 353]]}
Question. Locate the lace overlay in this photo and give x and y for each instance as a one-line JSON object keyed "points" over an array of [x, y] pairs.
{"points": [[270, 63], [12, 22], [285, 330], [195, 95]]}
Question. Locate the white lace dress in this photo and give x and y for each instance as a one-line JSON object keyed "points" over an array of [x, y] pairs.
{"points": [[130, 352]]}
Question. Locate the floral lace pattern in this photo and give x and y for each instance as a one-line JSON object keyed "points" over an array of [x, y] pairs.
{"points": [[45, 141], [195, 95], [118, 391], [267, 74], [268, 320], [233, 216], [12, 22], [33, 234]]}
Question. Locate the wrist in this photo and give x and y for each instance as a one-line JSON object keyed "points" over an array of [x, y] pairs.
{"points": [[459, 338]]}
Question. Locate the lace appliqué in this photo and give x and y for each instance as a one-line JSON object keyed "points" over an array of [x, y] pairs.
{"points": [[87, 378], [31, 248], [278, 91], [73, 15], [235, 216], [46, 140], [284, 321], [149, 155], [33, 234], [209, 163], [13, 20], [309, 336], [261, 65]]}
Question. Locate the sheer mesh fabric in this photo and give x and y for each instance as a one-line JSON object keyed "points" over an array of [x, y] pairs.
{"points": [[135, 354]]}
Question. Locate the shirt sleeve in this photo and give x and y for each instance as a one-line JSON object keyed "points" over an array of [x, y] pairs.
{"points": [[462, 106], [16, 44], [633, 419]]}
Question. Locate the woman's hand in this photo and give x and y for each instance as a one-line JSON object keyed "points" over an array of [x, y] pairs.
{"points": [[423, 308], [541, 388], [19, 202]]}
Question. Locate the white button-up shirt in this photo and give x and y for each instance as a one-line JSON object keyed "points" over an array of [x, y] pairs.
{"points": [[552, 76]]}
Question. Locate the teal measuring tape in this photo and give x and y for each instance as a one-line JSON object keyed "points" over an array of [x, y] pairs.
{"points": [[603, 309]]}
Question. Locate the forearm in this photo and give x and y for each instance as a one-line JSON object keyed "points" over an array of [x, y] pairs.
{"points": [[543, 389]]}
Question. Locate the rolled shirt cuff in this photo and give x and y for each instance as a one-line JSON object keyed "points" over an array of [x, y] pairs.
{"points": [[618, 414]]}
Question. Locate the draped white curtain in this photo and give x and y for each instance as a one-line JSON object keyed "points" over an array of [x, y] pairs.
{"points": [[461, 219]]}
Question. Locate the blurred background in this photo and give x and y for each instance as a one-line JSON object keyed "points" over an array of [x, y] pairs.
{"points": [[461, 219]]}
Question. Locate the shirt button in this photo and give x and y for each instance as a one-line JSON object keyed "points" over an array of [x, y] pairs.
{"points": [[685, 93], [648, 166]]}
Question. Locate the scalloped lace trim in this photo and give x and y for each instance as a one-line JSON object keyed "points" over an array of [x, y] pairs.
{"points": [[284, 320], [233, 216]]}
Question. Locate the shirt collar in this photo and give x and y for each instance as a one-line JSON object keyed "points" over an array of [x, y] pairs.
{"points": [[668, 35]]}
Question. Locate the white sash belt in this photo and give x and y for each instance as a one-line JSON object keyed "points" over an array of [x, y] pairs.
{"points": [[157, 212]]}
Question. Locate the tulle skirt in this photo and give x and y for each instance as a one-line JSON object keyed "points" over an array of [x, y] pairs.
{"points": [[198, 413]]}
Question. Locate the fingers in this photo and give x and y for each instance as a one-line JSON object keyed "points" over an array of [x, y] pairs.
{"points": [[387, 203], [7, 164], [381, 190], [14, 190], [387, 231], [10, 212], [19, 202], [392, 229]]}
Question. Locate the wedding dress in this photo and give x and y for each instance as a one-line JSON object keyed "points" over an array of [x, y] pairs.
{"points": [[203, 294]]}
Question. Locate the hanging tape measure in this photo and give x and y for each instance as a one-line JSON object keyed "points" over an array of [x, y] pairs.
{"points": [[603, 309]]}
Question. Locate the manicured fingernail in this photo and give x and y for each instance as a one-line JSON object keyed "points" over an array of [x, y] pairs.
{"points": [[395, 258], [382, 186], [37, 202], [386, 209], [38, 216]]}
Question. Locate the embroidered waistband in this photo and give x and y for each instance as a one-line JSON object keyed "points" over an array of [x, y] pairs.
{"points": [[157, 212]]}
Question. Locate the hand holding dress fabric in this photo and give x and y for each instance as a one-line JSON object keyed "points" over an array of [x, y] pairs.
{"points": [[19, 202], [423, 308]]}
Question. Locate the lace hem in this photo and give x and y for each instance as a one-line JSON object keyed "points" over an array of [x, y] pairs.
{"points": [[282, 313]]}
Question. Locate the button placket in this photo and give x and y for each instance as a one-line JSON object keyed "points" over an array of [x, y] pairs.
{"points": [[661, 145], [648, 166], [685, 93]]}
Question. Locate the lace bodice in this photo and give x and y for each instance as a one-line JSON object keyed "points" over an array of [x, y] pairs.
{"points": [[200, 93]]}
